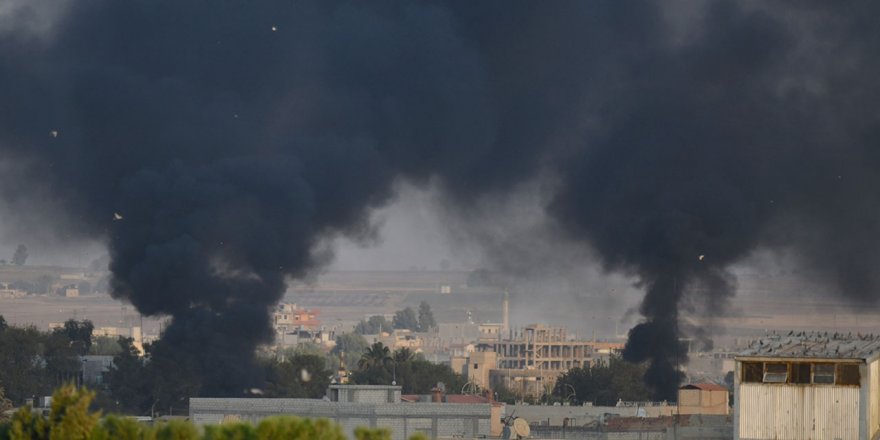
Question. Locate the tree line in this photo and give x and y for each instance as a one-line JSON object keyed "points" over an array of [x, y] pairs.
{"points": [[33, 363], [378, 365], [405, 319], [603, 383]]}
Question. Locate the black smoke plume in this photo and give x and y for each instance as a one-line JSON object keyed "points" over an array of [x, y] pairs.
{"points": [[215, 145]]}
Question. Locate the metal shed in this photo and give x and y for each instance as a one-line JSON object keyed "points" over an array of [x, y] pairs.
{"points": [[808, 386]]}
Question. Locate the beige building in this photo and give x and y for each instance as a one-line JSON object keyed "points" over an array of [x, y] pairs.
{"points": [[530, 361], [540, 347], [479, 365], [288, 316], [703, 398]]}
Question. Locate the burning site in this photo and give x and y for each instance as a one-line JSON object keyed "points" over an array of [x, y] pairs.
{"points": [[217, 151]]}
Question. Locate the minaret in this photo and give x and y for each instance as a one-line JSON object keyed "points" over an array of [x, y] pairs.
{"points": [[505, 319]]}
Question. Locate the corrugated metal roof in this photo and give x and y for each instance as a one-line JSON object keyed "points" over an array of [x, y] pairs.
{"points": [[818, 345], [704, 387]]}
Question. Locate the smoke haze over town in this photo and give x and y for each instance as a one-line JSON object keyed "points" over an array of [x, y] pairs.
{"points": [[607, 158]]}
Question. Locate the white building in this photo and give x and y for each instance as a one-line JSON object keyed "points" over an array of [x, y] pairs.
{"points": [[808, 386]]}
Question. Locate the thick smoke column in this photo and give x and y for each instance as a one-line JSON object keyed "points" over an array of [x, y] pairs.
{"points": [[233, 137]]}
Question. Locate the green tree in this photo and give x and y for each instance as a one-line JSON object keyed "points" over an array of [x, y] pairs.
{"points": [[303, 376], [79, 333], [177, 430], [5, 405], [105, 345], [375, 357], [424, 375], [21, 363], [283, 428], [20, 255], [127, 379], [352, 344], [374, 325], [363, 433], [70, 418], [28, 425], [309, 348], [60, 355], [402, 356], [120, 428], [426, 317], [169, 391], [405, 319], [605, 383], [504, 394], [231, 431], [374, 366]]}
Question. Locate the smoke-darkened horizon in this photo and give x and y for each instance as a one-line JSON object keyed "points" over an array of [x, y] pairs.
{"points": [[215, 147]]}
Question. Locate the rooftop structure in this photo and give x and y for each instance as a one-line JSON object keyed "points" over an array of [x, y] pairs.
{"points": [[815, 345], [358, 405], [288, 317]]}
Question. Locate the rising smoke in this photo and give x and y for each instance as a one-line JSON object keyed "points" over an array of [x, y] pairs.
{"points": [[215, 145]]}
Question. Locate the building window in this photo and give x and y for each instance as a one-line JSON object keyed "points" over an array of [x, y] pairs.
{"points": [[848, 374], [752, 371], [476, 366], [823, 373], [775, 373], [800, 372]]}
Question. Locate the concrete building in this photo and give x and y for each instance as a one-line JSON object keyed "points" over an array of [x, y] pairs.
{"points": [[478, 367], [703, 398], [288, 317], [357, 405], [531, 359], [808, 386]]}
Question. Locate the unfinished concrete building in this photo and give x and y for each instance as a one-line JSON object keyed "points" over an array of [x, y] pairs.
{"points": [[530, 360]]}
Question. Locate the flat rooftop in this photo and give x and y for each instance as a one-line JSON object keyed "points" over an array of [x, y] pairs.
{"points": [[815, 345]]}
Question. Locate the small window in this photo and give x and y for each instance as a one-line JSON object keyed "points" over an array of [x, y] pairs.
{"points": [[800, 372], [752, 371], [775, 373], [823, 373], [848, 374], [476, 366]]}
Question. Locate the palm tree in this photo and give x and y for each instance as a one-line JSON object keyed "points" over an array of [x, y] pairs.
{"points": [[375, 357], [403, 355]]}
